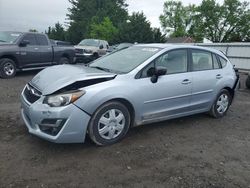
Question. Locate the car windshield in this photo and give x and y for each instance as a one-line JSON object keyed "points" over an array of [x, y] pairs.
{"points": [[125, 60], [9, 37], [89, 42]]}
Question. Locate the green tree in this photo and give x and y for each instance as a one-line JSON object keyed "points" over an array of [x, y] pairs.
{"points": [[158, 36], [136, 29], [227, 22], [175, 18], [57, 32], [33, 30], [104, 30], [82, 12]]}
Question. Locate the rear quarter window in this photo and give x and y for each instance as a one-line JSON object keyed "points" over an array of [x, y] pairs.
{"points": [[216, 62], [223, 61]]}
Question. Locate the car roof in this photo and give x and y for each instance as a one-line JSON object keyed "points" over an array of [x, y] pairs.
{"points": [[176, 46]]}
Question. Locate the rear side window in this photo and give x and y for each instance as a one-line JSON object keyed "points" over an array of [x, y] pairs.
{"points": [[31, 38], [223, 61], [201, 60], [216, 62], [42, 40]]}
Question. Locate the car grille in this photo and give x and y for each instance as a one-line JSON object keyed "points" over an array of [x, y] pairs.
{"points": [[79, 51], [31, 94]]}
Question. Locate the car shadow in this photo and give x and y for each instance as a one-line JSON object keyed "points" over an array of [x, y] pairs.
{"points": [[132, 135], [27, 73]]}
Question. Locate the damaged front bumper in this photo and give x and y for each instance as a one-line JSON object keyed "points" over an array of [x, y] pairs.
{"points": [[66, 124]]}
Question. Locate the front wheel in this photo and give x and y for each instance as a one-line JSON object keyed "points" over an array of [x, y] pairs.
{"points": [[7, 68], [109, 124], [64, 60], [221, 104]]}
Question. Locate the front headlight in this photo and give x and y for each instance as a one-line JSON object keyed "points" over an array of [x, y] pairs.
{"points": [[63, 99]]}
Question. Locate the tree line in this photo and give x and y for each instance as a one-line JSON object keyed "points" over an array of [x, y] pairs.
{"points": [[110, 20]]}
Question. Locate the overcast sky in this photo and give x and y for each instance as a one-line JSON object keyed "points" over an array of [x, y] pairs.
{"points": [[22, 15]]}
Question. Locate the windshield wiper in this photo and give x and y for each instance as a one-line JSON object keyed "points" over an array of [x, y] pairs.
{"points": [[3, 41], [101, 68]]}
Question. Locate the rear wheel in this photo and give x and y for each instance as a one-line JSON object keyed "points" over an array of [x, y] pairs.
{"points": [[221, 104], [7, 68], [64, 60], [248, 82], [109, 124]]}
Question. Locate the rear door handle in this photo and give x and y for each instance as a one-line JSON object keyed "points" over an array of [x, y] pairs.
{"points": [[36, 48], [186, 81], [218, 76]]}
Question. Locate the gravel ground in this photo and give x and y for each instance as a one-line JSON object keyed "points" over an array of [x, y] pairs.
{"points": [[195, 151]]}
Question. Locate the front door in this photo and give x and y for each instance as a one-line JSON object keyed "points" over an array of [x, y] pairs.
{"points": [[170, 95], [30, 54]]}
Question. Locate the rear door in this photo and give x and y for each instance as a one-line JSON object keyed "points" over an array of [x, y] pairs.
{"points": [[46, 54], [207, 75], [30, 54]]}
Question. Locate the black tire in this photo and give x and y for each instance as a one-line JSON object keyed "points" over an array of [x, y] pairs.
{"points": [[7, 68], [64, 60], [214, 111], [248, 82], [96, 56], [95, 126]]}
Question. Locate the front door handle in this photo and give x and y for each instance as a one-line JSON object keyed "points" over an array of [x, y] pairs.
{"points": [[218, 76], [186, 81], [35, 48]]}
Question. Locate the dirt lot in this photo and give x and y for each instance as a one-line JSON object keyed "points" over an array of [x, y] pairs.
{"points": [[196, 151]]}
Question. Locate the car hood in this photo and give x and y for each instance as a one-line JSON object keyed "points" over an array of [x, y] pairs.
{"points": [[57, 77], [87, 47]]}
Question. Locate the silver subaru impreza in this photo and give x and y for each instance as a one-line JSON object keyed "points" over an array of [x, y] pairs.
{"points": [[138, 85]]}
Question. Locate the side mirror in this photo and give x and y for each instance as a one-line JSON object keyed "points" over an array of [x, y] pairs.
{"points": [[161, 71], [24, 43], [156, 72], [101, 46]]}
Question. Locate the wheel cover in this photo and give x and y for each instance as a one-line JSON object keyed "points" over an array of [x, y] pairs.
{"points": [[111, 124], [222, 103], [9, 69]]}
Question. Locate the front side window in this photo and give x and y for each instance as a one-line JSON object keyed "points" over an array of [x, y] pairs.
{"points": [[174, 61], [31, 39], [42, 40], [201, 60]]}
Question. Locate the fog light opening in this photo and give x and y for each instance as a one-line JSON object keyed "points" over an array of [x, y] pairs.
{"points": [[51, 126]]}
